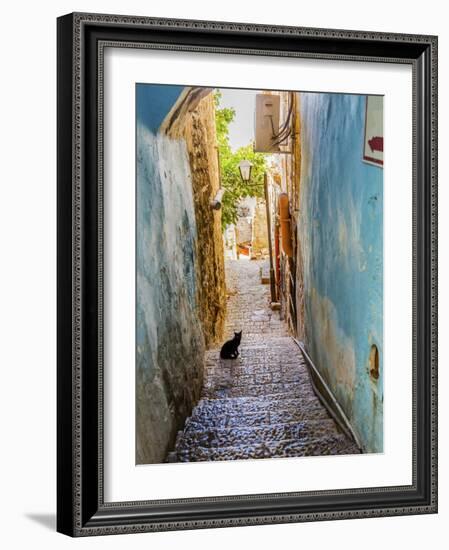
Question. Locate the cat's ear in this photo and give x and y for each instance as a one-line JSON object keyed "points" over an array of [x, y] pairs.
{"points": [[240, 333]]}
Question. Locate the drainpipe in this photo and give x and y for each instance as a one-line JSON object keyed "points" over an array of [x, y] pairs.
{"points": [[277, 258], [267, 206], [285, 221]]}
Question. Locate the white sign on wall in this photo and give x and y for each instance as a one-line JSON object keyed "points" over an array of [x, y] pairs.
{"points": [[373, 149]]}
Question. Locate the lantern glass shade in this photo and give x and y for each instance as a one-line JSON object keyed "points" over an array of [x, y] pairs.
{"points": [[245, 167]]}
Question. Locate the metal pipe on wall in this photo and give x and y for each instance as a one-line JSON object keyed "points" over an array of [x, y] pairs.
{"points": [[270, 245], [285, 221]]}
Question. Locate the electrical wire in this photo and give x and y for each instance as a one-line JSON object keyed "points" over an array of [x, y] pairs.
{"points": [[285, 130], [288, 119]]}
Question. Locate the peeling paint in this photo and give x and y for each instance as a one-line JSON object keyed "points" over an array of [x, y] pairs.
{"points": [[340, 250], [180, 287], [334, 349], [169, 338]]}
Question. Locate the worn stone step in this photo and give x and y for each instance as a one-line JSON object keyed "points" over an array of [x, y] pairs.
{"points": [[337, 444], [260, 390], [256, 367], [220, 420], [203, 436], [257, 374], [255, 385], [253, 376], [237, 406], [260, 345], [242, 363]]}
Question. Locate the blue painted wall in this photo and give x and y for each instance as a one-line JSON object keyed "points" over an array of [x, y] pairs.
{"points": [[341, 242], [169, 341]]}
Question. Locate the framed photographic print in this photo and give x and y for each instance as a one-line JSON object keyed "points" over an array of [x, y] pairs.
{"points": [[247, 282]]}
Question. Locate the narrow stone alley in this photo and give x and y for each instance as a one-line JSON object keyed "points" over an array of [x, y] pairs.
{"points": [[260, 405]]}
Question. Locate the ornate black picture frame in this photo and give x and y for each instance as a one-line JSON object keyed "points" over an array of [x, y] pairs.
{"points": [[81, 510]]}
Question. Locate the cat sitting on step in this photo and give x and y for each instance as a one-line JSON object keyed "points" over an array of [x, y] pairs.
{"points": [[230, 348]]}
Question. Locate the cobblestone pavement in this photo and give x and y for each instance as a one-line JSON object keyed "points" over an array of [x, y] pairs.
{"points": [[260, 405]]}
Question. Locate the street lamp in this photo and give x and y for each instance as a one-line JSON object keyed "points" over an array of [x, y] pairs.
{"points": [[245, 167]]}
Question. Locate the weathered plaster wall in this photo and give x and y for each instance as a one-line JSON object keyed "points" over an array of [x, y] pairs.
{"points": [[169, 338], [341, 244], [244, 229], [200, 135], [260, 230]]}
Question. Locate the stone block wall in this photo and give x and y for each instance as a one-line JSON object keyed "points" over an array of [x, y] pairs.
{"points": [[200, 137]]}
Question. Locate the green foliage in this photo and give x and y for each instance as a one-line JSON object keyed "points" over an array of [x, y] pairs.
{"points": [[231, 181], [223, 117]]}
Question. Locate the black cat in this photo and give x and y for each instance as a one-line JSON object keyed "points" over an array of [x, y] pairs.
{"points": [[230, 348]]}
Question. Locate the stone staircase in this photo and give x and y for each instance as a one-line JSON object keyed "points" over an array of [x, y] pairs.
{"points": [[260, 405], [252, 408]]}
